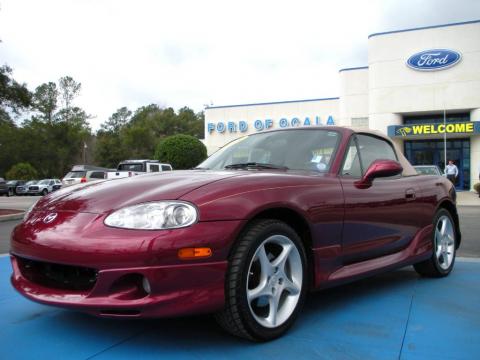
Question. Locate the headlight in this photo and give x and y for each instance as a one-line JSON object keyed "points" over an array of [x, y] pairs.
{"points": [[154, 216]]}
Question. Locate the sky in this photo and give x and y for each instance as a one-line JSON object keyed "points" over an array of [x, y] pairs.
{"points": [[195, 53]]}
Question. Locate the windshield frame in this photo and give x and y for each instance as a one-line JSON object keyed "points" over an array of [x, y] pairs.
{"points": [[339, 136]]}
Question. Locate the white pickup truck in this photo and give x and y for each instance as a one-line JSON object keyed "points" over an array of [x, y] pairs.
{"points": [[137, 167]]}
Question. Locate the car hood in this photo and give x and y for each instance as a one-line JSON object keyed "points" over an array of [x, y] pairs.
{"points": [[101, 197]]}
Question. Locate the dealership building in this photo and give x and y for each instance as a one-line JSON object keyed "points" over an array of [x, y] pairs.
{"points": [[420, 86]]}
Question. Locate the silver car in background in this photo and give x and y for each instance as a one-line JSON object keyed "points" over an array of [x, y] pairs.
{"points": [[43, 187], [23, 189]]}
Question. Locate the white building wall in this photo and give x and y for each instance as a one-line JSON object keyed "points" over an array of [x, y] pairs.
{"points": [[474, 151], [396, 88], [353, 95]]}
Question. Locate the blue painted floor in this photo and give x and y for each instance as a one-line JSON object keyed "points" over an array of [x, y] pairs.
{"points": [[392, 316]]}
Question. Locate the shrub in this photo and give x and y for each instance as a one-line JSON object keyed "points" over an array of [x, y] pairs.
{"points": [[22, 171], [477, 188], [181, 151]]}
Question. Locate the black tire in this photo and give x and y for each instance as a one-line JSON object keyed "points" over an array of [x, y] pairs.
{"points": [[10, 193], [237, 318], [433, 266], [44, 192]]}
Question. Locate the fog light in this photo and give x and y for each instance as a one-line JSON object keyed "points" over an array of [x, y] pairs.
{"points": [[194, 253], [146, 285]]}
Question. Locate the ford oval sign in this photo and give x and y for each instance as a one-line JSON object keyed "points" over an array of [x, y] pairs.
{"points": [[435, 59]]}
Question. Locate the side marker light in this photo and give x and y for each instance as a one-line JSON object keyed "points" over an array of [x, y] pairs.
{"points": [[194, 253]]}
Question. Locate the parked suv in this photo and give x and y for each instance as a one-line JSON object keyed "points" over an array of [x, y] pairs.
{"points": [[4, 187], [23, 189], [43, 187]]}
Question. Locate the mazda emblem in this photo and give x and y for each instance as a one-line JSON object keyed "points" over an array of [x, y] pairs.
{"points": [[49, 218]]}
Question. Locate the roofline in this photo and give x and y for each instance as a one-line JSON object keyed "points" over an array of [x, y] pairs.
{"points": [[271, 103], [424, 28], [354, 68]]}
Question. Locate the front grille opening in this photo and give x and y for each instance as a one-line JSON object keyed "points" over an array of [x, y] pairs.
{"points": [[58, 276], [115, 312]]}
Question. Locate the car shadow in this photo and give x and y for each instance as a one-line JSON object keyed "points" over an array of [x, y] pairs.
{"points": [[189, 334]]}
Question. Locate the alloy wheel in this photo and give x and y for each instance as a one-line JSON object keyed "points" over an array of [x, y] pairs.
{"points": [[274, 283], [444, 242]]}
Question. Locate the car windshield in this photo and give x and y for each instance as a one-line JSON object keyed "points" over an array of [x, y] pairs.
{"points": [[300, 149], [75, 174], [44, 182], [11, 182], [427, 170], [31, 182]]}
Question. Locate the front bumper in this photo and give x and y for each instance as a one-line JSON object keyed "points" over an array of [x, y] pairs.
{"points": [[174, 290], [123, 261]]}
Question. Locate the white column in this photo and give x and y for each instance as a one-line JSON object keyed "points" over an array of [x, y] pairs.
{"points": [[474, 151]]}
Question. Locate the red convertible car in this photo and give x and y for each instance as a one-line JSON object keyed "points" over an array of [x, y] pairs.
{"points": [[246, 235]]}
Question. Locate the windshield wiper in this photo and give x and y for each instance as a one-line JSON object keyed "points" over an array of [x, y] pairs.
{"points": [[255, 165]]}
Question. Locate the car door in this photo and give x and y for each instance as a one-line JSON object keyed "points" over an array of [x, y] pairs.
{"points": [[379, 219]]}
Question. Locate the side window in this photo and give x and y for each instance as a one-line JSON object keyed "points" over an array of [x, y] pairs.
{"points": [[373, 148], [166, 168], [351, 164], [97, 175], [52, 182], [154, 168]]}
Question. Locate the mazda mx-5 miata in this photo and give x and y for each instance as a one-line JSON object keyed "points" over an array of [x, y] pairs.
{"points": [[246, 235]]}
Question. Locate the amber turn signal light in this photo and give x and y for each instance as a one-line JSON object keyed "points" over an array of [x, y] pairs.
{"points": [[194, 253]]}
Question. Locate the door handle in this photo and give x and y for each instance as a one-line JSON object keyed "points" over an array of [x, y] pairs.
{"points": [[410, 194]]}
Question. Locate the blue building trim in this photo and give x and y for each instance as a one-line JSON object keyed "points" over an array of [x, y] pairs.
{"points": [[354, 68], [271, 103], [424, 28]]}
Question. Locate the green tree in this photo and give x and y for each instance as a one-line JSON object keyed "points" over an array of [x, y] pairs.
{"points": [[181, 151], [9, 145], [45, 100], [117, 121], [22, 171], [110, 148], [14, 97], [69, 90], [125, 136]]}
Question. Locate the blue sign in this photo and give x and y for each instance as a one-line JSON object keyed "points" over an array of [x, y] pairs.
{"points": [[432, 60], [223, 127]]}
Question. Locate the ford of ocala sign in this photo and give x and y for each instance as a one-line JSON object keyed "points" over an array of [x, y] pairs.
{"points": [[435, 59]]}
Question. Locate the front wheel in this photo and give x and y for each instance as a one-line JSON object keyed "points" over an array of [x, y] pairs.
{"points": [[266, 282], [44, 192], [444, 247], [10, 192]]}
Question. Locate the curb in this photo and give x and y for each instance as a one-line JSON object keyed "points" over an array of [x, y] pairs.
{"points": [[12, 216]]}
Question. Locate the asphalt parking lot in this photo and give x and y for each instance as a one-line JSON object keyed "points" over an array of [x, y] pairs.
{"points": [[397, 315]]}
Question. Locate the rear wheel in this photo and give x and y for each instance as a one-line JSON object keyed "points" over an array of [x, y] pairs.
{"points": [[10, 192], [266, 282], [444, 247]]}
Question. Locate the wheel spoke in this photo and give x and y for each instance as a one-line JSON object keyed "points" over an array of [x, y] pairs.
{"points": [[260, 290], [443, 227], [438, 251], [291, 287], [281, 259], [265, 263], [273, 310]]}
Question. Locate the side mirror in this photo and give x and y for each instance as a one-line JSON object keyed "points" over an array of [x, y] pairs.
{"points": [[379, 168]]}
